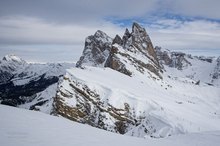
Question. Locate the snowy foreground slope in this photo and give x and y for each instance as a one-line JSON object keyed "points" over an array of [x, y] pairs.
{"points": [[19, 127]]}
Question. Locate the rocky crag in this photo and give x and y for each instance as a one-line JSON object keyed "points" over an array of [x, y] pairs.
{"points": [[132, 54]]}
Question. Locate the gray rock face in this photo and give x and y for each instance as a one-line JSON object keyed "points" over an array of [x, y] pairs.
{"points": [[141, 40], [120, 53], [96, 50], [163, 56], [115, 63], [126, 37], [216, 74], [172, 59], [178, 60], [135, 43], [117, 40]]}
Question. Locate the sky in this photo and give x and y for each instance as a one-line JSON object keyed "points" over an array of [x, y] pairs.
{"points": [[55, 30]]}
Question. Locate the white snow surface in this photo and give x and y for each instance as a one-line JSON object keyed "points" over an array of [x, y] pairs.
{"points": [[19, 127], [171, 106]]}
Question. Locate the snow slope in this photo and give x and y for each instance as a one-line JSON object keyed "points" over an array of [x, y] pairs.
{"points": [[19, 127], [162, 107]]}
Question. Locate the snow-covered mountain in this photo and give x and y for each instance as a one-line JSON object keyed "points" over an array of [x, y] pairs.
{"points": [[140, 90], [9, 65], [123, 85], [27, 85]]}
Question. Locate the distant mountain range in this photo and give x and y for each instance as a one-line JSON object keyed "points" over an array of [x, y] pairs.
{"points": [[122, 84]]}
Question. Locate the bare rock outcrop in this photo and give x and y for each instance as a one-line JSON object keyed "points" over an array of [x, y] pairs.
{"points": [[132, 54], [96, 50]]}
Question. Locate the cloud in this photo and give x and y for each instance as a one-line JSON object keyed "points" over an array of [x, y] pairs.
{"points": [[44, 53], [177, 34], [32, 38], [69, 11], [37, 40], [25, 30], [195, 8]]}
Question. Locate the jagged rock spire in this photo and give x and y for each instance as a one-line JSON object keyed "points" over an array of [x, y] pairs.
{"points": [[96, 50], [117, 40], [101, 50], [142, 41], [136, 28]]}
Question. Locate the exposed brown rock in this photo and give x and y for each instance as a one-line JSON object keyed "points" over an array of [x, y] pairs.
{"points": [[95, 116], [100, 50], [114, 62]]}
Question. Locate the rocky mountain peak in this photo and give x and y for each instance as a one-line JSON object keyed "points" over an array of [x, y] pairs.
{"points": [[96, 50], [142, 41], [139, 35], [135, 43], [102, 36], [216, 74], [117, 40], [136, 28], [126, 37], [120, 53]]}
